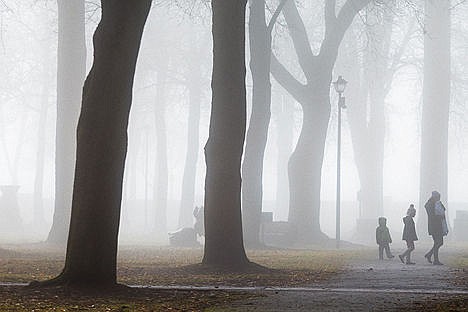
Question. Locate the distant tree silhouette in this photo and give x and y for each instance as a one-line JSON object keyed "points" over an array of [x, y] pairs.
{"points": [[436, 103], [102, 146], [371, 65], [223, 151], [38, 193], [194, 86], [161, 174], [305, 164], [71, 71], [257, 134]]}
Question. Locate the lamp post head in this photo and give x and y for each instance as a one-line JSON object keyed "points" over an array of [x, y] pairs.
{"points": [[340, 85]]}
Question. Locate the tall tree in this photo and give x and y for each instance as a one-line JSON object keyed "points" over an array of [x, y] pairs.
{"points": [[305, 164], [223, 151], [71, 67], [257, 134], [436, 102], [102, 146]]}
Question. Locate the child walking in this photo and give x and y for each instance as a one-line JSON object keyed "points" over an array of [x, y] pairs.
{"points": [[382, 235], [409, 235]]}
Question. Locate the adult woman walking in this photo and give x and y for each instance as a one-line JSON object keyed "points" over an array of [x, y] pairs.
{"points": [[436, 225]]}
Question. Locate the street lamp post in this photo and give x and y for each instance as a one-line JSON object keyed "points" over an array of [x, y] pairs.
{"points": [[340, 86]]}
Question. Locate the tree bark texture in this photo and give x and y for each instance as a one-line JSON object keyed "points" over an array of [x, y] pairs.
{"points": [[102, 145], [71, 68], [436, 104], [223, 151]]}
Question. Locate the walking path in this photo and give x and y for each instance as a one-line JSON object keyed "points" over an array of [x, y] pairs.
{"points": [[376, 285]]}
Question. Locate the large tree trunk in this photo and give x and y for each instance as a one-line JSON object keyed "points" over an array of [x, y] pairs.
{"points": [[257, 134], [436, 103], [191, 157], [102, 145], [71, 67], [223, 151], [305, 171]]}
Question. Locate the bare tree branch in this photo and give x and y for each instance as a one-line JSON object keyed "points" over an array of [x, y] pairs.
{"points": [[286, 80], [396, 60], [334, 32], [347, 13], [8, 9], [458, 4], [330, 14], [275, 15], [299, 37]]}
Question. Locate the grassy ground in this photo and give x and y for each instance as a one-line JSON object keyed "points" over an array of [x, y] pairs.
{"points": [[171, 266], [460, 258], [459, 261], [175, 266], [23, 299], [158, 266]]}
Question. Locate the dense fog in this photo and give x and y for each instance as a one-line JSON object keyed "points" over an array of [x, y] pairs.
{"points": [[175, 62]]}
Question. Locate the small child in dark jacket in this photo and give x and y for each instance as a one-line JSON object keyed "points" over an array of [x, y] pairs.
{"points": [[409, 235], [383, 238]]}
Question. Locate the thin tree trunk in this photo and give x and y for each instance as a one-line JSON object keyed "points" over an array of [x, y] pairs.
{"points": [[102, 145], [71, 67], [257, 134], [223, 151]]}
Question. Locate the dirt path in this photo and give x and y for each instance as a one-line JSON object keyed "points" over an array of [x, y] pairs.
{"points": [[375, 285]]}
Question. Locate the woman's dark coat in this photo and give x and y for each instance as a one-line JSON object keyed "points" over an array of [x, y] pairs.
{"points": [[434, 222]]}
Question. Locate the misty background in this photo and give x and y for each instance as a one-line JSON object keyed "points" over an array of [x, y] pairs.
{"points": [[167, 69]]}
